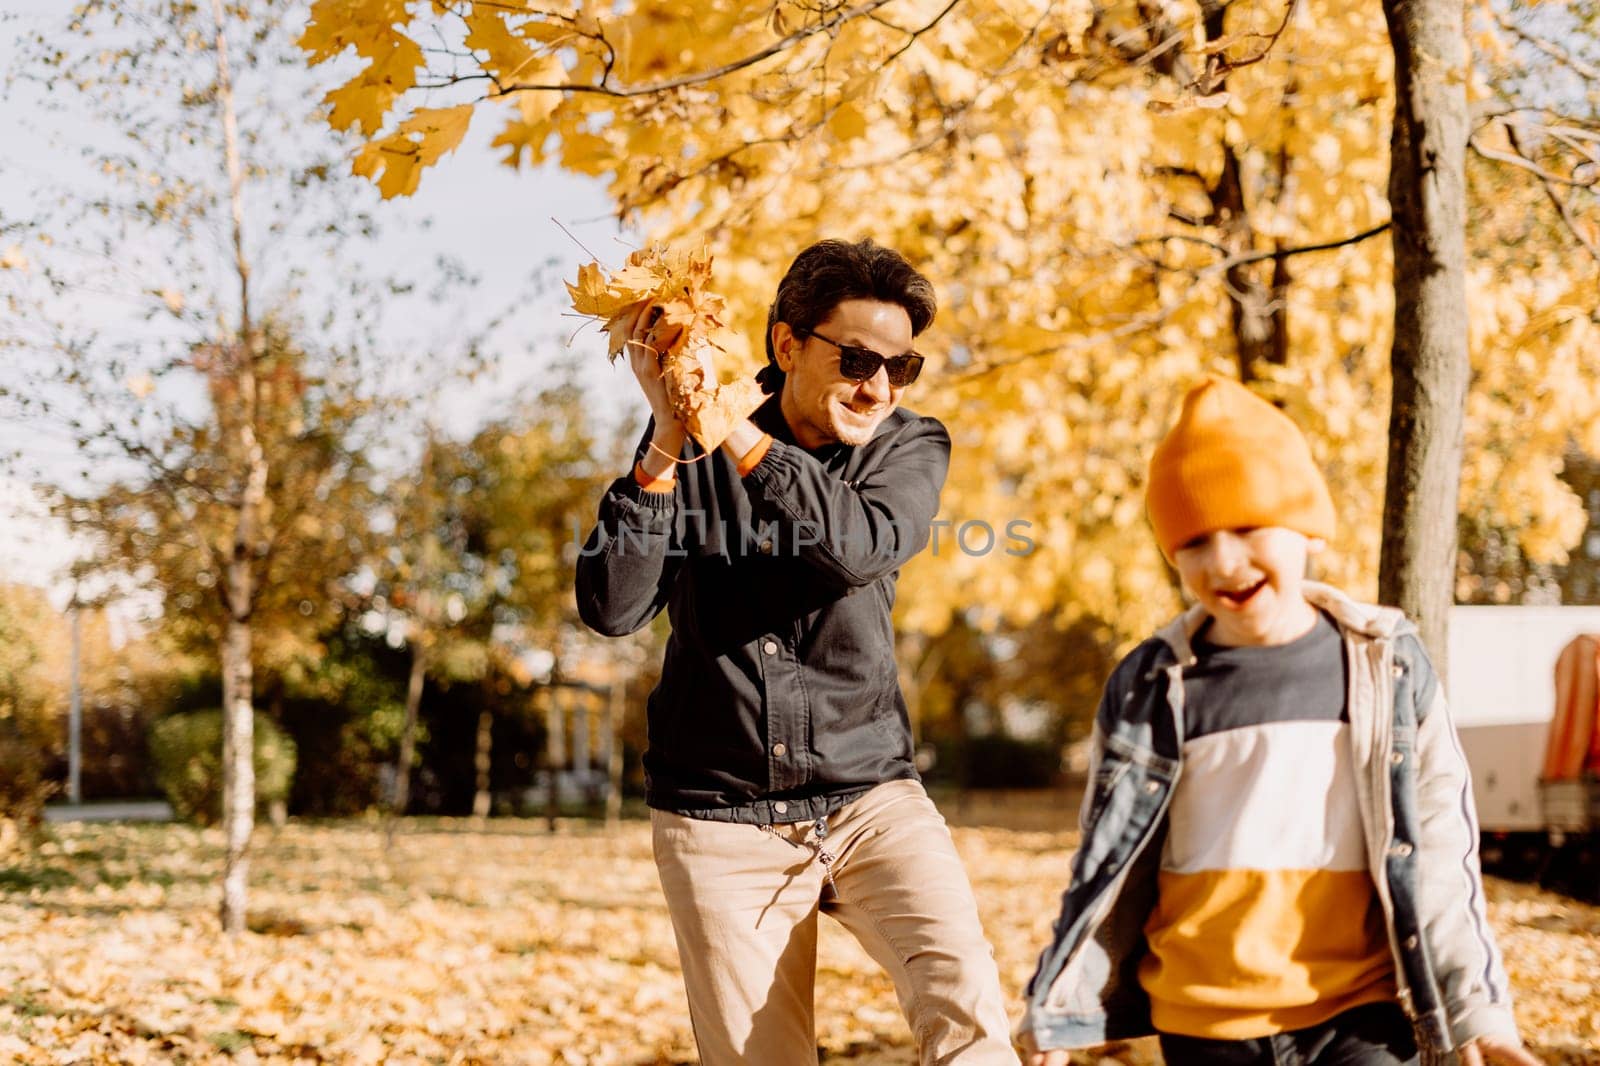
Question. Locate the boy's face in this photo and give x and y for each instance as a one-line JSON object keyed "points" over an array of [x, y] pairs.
{"points": [[1250, 582]]}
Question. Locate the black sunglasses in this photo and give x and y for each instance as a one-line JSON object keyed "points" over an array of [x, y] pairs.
{"points": [[860, 364]]}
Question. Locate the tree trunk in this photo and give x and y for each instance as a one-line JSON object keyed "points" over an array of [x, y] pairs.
{"points": [[399, 797], [961, 745], [554, 755], [238, 766], [238, 731], [615, 712], [1258, 311], [400, 793], [481, 761], [1427, 197]]}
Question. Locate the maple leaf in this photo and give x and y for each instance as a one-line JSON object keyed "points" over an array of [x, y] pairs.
{"points": [[531, 128], [686, 323], [367, 26], [396, 162]]}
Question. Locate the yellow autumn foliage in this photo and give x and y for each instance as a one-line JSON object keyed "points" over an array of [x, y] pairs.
{"points": [[1112, 199]]}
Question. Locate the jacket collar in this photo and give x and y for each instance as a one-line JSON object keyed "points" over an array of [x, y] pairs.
{"points": [[1363, 619], [769, 419]]}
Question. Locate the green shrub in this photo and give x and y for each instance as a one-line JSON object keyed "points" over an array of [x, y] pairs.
{"points": [[30, 735], [187, 752], [23, 788], [997, 761]]}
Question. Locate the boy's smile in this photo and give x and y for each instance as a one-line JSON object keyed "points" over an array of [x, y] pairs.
{"points": [[1250, 581], [1241, 596]]}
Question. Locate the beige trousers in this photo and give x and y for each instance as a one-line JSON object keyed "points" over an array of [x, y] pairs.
{"points": [[744, 905]]}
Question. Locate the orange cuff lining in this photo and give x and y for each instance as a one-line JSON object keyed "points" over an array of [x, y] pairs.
{"points": [[651, 483], [753, 457]]}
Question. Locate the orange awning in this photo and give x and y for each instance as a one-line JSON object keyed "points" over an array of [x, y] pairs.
{"points": [[1574, 743]]}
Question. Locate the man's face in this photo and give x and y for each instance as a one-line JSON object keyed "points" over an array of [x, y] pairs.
{"points": [[1250, 582], [821, 405]]}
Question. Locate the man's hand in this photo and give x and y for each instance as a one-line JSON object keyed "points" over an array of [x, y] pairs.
{"points": [[644, 360], [666, 440], [1489, 1050]]}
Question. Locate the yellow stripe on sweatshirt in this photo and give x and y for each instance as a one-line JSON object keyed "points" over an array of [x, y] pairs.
{"points": [[1240, 954]]}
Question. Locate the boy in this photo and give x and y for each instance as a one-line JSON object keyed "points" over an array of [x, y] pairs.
{"points": [[1279, 855]]}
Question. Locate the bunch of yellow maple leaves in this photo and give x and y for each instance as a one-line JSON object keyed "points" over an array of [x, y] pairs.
{"points": [[685, 321]]}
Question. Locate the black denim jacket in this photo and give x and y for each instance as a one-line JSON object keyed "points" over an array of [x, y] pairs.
{"points": [[779, 700]]}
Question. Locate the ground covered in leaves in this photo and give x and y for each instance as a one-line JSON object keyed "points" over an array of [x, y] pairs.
{"points": [[503, 943]]}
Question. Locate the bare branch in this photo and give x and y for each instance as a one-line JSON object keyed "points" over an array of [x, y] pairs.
{"points": [[1137, 323], [1219, 66], [951, 115], [912, 37], [1153, 54], [1230, 262], [1187, 238], [1573, 142], [1548, 47], [1563, 208], [1517, 159], [702, 77], [1284, 253], [1079, 342]]}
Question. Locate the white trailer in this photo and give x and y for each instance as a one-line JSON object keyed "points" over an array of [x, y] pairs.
{"points": [[1501, 687]]}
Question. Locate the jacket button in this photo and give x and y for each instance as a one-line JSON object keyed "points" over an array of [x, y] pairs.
{"points": [[1152, 787], [780, 750], [770, 647], [780, 807], [1397, 670], [1401, 849], [1398, 757], [1411, 942]]}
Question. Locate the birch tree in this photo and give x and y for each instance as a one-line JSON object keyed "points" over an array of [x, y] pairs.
{"points": [[203, 209]]}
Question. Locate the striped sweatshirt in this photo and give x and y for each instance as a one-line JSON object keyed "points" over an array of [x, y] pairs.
{"points": [[1266, 918]]}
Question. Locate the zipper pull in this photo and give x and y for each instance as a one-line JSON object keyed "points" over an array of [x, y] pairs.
{"points": [[824, 856]]}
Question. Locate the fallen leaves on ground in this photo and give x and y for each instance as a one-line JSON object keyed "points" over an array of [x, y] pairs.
{"points": [[500, 942]]}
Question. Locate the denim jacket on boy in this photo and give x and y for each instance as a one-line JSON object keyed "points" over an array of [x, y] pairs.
{"points": [[1417, 815]]}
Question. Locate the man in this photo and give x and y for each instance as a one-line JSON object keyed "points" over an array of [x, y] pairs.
{"points": [[779, 764]]}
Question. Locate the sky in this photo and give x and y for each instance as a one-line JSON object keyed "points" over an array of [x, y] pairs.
{"points": [[495, 221]]}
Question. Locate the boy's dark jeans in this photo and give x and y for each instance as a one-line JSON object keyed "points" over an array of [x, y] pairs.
{"points": [[1377, 1034]]}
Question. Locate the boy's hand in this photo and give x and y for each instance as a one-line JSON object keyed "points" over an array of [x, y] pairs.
{"points": [[1488, 1050], [1032, 1056]]}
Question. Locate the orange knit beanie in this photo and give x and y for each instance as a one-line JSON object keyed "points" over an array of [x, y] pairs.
{"points": [[1234, 460]]}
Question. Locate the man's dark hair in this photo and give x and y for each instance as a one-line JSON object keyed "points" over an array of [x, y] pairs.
{"points": [[832, 271]]}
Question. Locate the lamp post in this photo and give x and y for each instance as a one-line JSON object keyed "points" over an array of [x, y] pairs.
{"points": [[75, 717]]}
